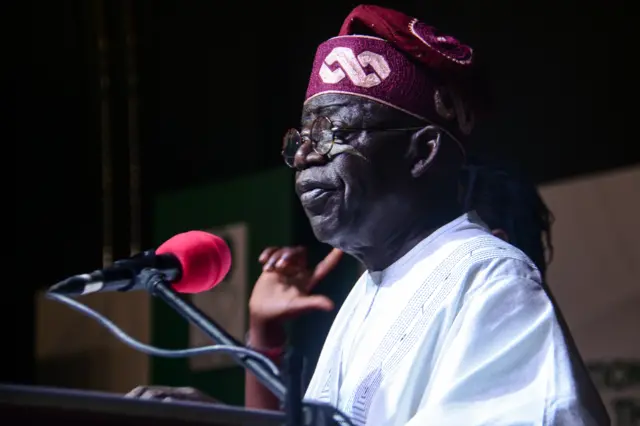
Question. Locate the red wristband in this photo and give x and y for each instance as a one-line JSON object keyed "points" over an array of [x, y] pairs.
{"points": [[271, 353]]}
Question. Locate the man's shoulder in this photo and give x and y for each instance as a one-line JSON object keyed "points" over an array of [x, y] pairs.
{"points": [[486, 249], [483, 259], [471, 241]]}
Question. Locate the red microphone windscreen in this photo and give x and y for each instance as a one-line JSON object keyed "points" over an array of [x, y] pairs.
{"points": [[205, 260]]}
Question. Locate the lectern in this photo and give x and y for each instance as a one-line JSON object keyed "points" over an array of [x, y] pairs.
{"points": [[25, 405]]}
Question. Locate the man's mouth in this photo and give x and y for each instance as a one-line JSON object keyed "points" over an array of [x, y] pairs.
{"points": [[304, 187], [314, 193], [315, 198]]}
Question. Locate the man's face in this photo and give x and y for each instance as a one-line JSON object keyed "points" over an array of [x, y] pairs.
{"points": [[347, 196]]}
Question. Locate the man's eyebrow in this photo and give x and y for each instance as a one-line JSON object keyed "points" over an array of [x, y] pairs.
{"points": [[327, 110]]}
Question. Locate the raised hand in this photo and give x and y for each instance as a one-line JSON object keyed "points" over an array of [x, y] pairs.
{"points": [[283, 289]]}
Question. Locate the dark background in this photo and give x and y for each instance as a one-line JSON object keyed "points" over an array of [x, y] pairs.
{"points": [[219, 82]]}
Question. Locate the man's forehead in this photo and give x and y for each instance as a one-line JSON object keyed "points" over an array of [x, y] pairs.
{"points": [[347, 109]]}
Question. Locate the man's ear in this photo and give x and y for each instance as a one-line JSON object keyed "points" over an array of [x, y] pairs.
{"points": [[423, 149]]}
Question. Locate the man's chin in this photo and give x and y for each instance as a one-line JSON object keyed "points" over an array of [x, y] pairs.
{"points": [[324, 227], [329, 231]]}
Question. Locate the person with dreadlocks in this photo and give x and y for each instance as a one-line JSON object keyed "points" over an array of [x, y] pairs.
{"points": [[512, 208]]}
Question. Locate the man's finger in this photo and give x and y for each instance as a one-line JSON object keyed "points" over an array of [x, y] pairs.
{"points": [[287, 255], [266, 254], [292, 258], [153, 394], [325, 266], [294, 255], [136, 392], [269, 265]]}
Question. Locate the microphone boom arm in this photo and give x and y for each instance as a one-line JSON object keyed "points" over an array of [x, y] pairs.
{"points": [[156, 284]]}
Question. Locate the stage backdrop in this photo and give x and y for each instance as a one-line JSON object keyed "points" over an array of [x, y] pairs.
{"points": [[595, 276]]}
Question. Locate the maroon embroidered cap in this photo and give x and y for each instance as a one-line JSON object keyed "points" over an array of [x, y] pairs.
{"points": [[389, 57]]}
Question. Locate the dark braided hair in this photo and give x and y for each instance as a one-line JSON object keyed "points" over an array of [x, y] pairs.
{"points": [[506, 201]]}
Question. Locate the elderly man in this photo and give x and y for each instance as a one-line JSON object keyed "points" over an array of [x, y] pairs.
{"points": [[449, 325]]}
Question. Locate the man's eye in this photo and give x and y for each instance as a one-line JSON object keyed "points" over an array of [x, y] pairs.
{"points": [[343, 135]]}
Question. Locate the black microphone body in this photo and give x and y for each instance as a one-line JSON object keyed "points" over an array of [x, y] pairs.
{"points": [[122, 276]]}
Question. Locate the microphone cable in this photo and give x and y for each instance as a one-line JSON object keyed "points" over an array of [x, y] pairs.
{"points": [[159, 352], [174, 353]]}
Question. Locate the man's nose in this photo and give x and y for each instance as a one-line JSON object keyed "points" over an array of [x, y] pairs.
{"points": [[307, 157]]}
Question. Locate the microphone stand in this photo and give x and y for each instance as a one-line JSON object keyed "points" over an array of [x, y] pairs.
{"points": [[314, 413], [155, 283], [293, 375]]}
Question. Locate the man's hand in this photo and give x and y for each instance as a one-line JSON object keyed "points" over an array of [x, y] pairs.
{"points": [[283, 292], [166, 393]]}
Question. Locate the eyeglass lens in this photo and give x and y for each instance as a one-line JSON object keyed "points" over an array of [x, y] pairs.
{"points": [[321, 136], [290, 144]]}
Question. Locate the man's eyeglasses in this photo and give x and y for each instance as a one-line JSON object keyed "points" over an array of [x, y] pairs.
{"points": [[323, 135]]}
